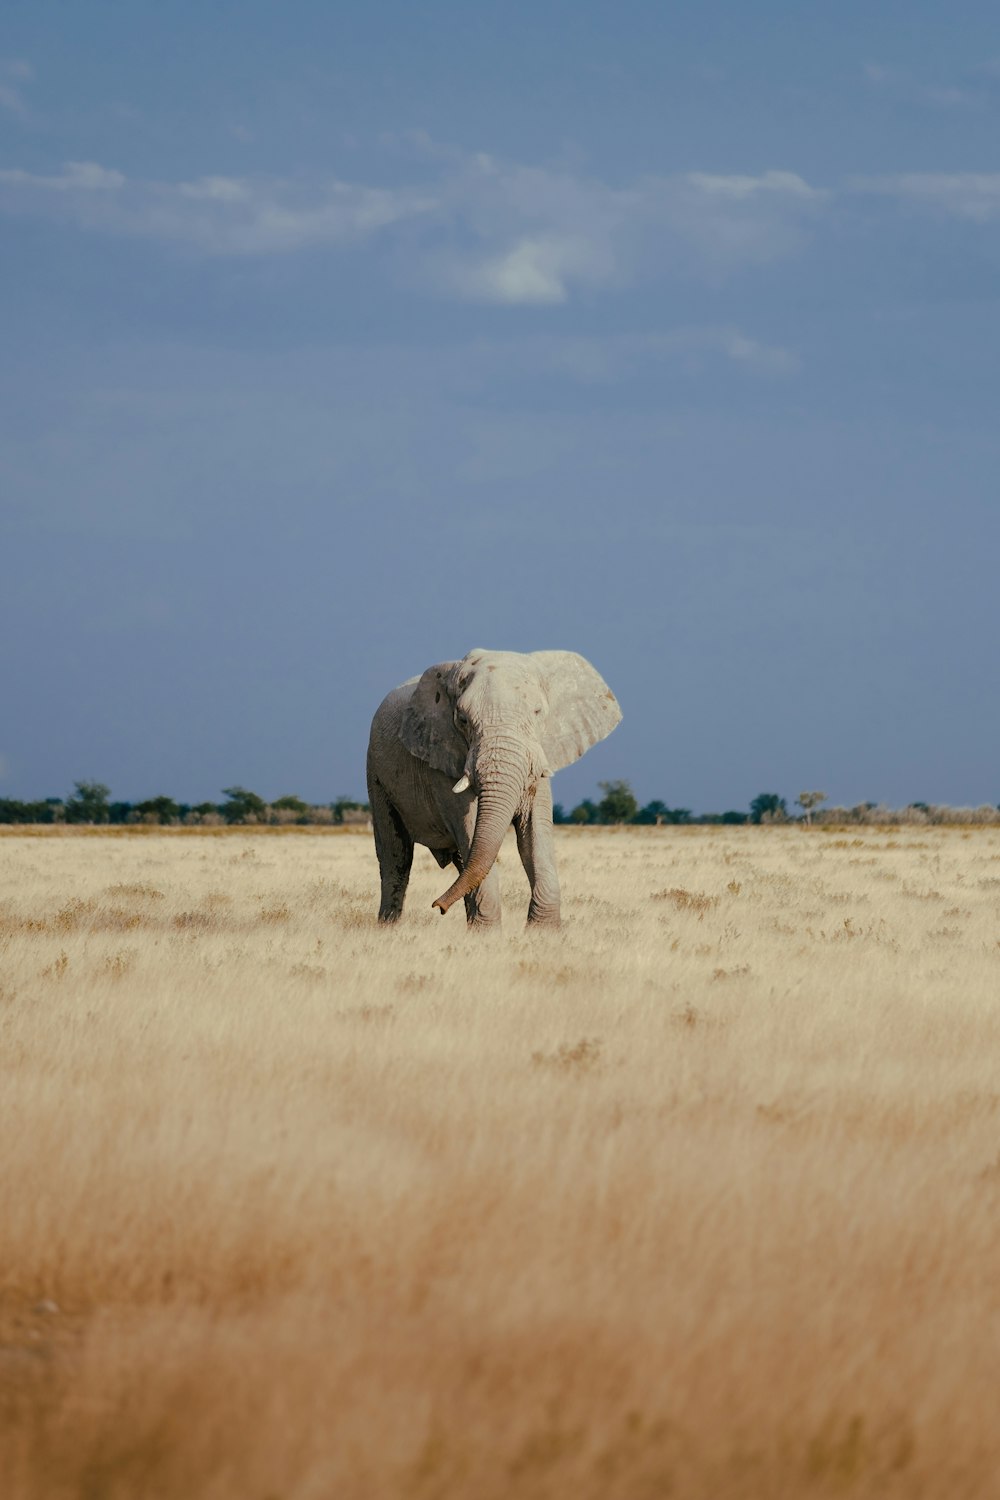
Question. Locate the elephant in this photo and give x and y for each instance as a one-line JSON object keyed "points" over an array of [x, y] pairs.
{"points": [[460, 753]]}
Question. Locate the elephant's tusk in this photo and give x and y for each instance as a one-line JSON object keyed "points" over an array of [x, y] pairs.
{"points": [[462, 785]]}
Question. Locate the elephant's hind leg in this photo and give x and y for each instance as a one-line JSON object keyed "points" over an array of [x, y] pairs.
{"points": [[394, 848]]}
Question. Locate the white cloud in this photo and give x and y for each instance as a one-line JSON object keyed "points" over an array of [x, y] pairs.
{"points": [[516, 234], [533, 271], [217, 215], [222, 189], [537, 268], [76, 176], [765, 358], [560, 231], [719, 223], [742, 188], [478, 228], [963, 195]]}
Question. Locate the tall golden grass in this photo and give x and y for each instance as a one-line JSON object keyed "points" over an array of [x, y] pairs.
{"points": [[698, 1196]]}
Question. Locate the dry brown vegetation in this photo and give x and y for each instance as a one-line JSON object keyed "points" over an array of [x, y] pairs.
{"points": [[699, 1196]]}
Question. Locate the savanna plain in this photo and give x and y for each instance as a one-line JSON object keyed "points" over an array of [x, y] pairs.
{"points": [[697, 1196]]}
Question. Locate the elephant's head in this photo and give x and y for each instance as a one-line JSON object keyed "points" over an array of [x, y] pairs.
{"points": [[496, 722]]}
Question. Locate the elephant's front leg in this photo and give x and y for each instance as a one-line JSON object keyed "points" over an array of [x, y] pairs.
{"points": [[536, 846], [482, 906]]}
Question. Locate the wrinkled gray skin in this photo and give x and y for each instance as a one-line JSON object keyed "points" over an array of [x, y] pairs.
{"points": [[504, 720]]}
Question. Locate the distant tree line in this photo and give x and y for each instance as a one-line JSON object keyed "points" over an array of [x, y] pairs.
{"points": [[91, 803], [619, 805]]}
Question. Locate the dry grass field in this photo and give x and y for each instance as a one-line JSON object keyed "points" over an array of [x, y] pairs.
{"points": [[697, 1197]]}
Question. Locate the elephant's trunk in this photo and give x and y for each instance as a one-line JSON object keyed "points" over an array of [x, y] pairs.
{"points": [[503, 773]]}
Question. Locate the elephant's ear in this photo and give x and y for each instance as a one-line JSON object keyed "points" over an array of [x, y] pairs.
{"points": [[428, 729], [582, 708]]}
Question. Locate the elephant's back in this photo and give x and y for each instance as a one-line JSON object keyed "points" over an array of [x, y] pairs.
{"points": [[390, 711]]}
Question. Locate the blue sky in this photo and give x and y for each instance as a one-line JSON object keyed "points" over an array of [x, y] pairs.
{"points": [[339, 340]]}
